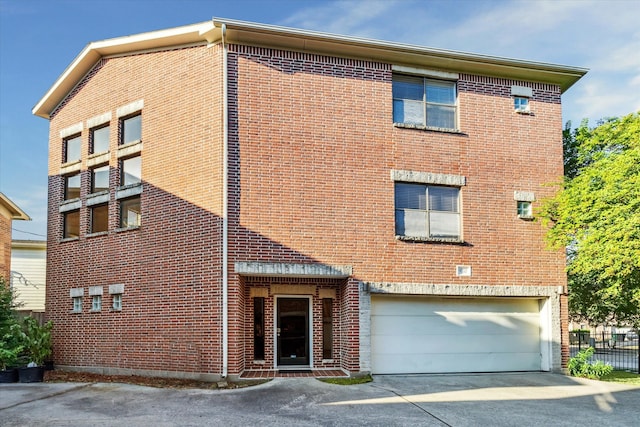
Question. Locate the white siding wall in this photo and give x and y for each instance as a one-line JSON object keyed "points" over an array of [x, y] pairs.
{"points": [[28, 274]]}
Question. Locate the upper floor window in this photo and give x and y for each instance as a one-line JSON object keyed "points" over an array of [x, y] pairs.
{"points": [[130, 212], [427, 211], [100, 179], [71, 224], [99, 140], [521, 104], [131, 170], [424, 102], [72, 187], [131, 129], [72, 149]]}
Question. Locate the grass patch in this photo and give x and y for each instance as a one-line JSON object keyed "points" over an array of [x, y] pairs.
{"points": [[622, 377], [347, 381]]}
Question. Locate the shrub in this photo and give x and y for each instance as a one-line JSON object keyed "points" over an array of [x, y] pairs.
{"points": [[580, 366]]}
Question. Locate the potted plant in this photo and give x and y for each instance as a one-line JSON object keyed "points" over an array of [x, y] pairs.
{"points": [[10, 349], [36, 340]]}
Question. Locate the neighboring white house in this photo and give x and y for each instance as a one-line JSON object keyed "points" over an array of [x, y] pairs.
{"points": [[28, 273]]}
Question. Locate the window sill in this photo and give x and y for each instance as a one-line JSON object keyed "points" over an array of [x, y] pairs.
{"points": [[525, 112], [72, 166], [123, 229], [130, 148], [69, 239], [428, 128], [97, 234], [98, 158], [526, 217], [258, 362], [453, 240], [115, 310], [75, 312]]}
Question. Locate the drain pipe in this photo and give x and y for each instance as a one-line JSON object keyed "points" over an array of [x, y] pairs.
{"points": [[225, 207]]}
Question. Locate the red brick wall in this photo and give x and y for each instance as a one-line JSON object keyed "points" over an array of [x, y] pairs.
{"points": [[170, 266], [317, 145], [312, 145]]}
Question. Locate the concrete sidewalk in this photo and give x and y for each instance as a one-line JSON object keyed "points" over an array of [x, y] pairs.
{"points": [[429, 400]]}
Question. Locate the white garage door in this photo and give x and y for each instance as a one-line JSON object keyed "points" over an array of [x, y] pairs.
{"points": [[412, 334]]}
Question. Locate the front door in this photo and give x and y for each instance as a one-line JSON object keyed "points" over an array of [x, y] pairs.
{"points": [[293, 331]]}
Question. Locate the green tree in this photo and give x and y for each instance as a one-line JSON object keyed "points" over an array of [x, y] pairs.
{"points": [[596, 216]]}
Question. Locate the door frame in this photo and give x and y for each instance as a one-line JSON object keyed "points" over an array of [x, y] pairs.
{"points": [[275, 331]]}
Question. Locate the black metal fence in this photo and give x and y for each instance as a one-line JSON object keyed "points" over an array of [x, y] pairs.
{"points": [[620, 350]]}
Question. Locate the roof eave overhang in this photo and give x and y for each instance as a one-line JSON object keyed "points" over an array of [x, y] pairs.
{"points": [[14, 211], [399, 54], [254, 34]]}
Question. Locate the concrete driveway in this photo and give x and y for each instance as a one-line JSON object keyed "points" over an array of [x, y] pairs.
{"points": [[430, 400]]}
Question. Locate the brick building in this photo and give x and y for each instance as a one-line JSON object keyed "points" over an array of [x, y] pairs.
{"points": [[230, 197]]}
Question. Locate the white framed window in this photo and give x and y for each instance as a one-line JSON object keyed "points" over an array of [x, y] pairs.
{"points": [[116, 302], [96, 303], [521, 104], [77, 304], [525, 209], [424, 102], [427, 211]]}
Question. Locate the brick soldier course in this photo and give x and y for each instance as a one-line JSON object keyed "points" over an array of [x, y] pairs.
{"points": [[305, 122]]}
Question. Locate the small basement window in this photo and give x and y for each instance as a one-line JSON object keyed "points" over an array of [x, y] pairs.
{"points": [[525, 210]]}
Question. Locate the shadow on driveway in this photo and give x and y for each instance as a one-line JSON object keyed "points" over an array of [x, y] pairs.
{"points": [[521, 399]]}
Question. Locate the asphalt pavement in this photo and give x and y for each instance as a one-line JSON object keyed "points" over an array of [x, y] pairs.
{"points": [[516, 399]]}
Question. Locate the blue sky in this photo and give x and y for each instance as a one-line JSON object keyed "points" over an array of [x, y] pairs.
{"points": [[40, 38]]}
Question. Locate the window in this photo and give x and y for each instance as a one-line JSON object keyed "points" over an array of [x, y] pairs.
{"points": [[100, 179], [116, 302], [72, 149], [521, 104], [96, 303], [77, 304], [99, 140], [72, 187], [131, 128], [327, 328], [131, 171], [258, 328], [71, 224], [424, 102], [99, 218], [427, 211], [130, 212], [525, 210]]}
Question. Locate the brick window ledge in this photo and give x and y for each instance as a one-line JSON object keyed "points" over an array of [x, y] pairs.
{"points": [[123, 229], [415, 239], [428, 128]]}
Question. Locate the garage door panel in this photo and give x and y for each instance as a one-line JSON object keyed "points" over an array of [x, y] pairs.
{"points": [[412, 334], [456, 362], [438, 324], [433, 344]]}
